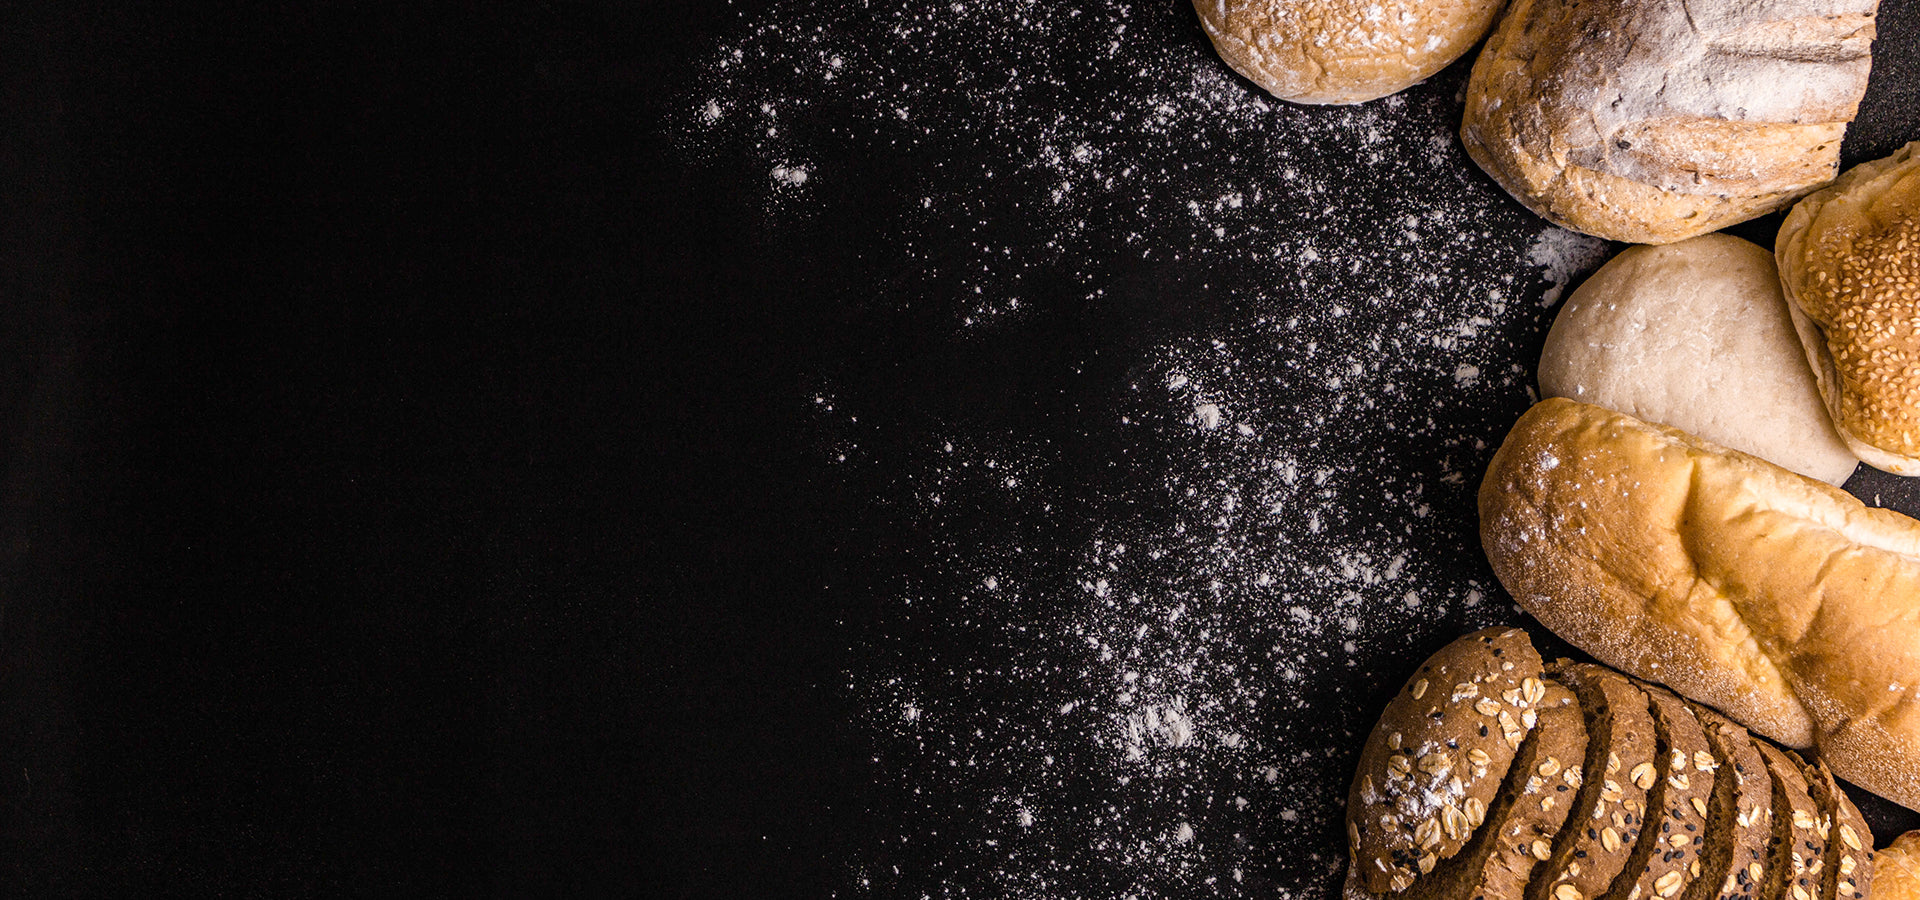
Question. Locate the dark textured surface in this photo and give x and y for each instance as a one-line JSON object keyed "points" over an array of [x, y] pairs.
{"points": [[404, 491]]}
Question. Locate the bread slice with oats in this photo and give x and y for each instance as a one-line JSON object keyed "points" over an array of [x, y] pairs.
{"points": [[1430, 769]]}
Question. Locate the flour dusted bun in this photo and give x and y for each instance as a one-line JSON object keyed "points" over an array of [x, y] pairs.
{"points": [[1650, 121], [1696, 335], [1783, 602], [1342, 51], [1850, 262]]}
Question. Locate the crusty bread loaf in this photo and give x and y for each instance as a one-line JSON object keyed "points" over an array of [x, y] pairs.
{"points": [[1436, 756], [1850, 262], [1896, 869], [1696, 335], [1784, 602], [1342, 51], [1650, 121]]}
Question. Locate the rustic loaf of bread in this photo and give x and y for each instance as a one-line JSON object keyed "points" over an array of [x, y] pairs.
{"points": [[1342, 51], [1850, 263], [1651, 121], [1783, 602]]}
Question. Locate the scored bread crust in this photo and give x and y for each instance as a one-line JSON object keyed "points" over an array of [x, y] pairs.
{"points": [[1610, 807], [1783, 602], [1342, 51], [1735, 868], [1648, 121], [1849, 260], [1429, 770]]}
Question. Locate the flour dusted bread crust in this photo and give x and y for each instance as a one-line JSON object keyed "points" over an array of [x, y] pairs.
{"points": [[1430, 769], [1850, 262], [1650, 121], [1342, 51], [1783, 602], [1696, 335]]}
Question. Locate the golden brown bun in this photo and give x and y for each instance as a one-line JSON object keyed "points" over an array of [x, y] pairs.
{"points": [[1783, 602], [1896, 869], [1850, 263], [1649, 121], [1342, 51]]}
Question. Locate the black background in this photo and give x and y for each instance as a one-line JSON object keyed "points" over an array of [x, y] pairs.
{"points": [[403, 489]]}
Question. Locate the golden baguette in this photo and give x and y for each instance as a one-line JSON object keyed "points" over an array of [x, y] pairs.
{"points": [[1785, 603]]}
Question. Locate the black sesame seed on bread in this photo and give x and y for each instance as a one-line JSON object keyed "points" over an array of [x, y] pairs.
{"points": [[1848, 873], [1667, 857], [1439, 753], [1734, 864], [1797, 851], [1529, 809], [1608, 811]]}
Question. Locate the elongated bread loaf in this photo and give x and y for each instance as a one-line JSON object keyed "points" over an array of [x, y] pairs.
{"points": [[1651, 121], [1783, 602], [1850, 263]]}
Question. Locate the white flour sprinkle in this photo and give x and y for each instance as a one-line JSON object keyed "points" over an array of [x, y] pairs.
{"points": [[1134, 646]]}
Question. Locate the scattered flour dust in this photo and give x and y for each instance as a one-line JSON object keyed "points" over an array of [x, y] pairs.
{"points": [[1132, 652]]}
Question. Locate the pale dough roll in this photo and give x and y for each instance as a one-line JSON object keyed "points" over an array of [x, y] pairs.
{"points": [[1850, 262], [1696, 335], [1342, 51]]}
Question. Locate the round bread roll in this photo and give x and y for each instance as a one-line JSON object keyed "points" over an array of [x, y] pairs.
{"points": [[1650, 121], [1850, 262], [1896, 873], [1342, 51], [1695, 335]]}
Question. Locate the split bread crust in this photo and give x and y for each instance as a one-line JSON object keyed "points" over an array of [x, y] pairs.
{"points": [[1649, 121], [1783, 602]]}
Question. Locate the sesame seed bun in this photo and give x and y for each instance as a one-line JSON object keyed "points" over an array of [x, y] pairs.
{"points": [[1850, 264]]}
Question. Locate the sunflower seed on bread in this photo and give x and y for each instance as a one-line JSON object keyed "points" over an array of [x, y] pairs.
{"points": [[1612, 800], [1436, 758]]}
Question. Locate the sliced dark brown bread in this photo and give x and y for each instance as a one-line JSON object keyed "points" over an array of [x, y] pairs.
{"points": [[1528, 810], [1797, 851], [1679, 782], [1609, 807], [1440, 751], [1734, 864], [1848, 873]]}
